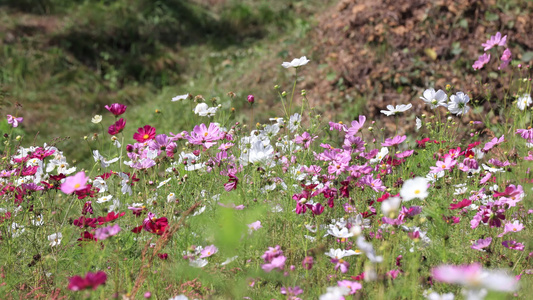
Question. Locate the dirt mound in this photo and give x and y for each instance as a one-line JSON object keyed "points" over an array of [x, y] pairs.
{"points": [[389, 51]]}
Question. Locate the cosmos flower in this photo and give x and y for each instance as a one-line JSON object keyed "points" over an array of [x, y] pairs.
{"points": [[14, 121], [414, 188], [475, 278], [74, 183], [116, 108], [296, 63], [524, 101], [392, 110], [458, 103], [435, 98], [144, 134], [495, 40], [91, 280], [481, 61]]}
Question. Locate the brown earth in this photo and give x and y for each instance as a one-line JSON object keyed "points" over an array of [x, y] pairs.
{"points": [[389, 51]]}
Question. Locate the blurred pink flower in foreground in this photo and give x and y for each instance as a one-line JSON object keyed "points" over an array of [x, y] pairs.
{"points": [[475, 279], [14, 121], [74, 183]]}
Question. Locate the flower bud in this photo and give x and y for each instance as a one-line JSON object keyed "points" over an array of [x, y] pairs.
{"points": [[251, 99]]}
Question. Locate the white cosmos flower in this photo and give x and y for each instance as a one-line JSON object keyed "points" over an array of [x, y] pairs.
{"points": [[381, 154], [458, 104], [391, 206], [295, 63], [418, 124], [37, 220], [55, 239], [96, 119], [368, 249], [414, 188], [16, 230], [335, 293], [340, 253], [198, 263], [432, 177], [435, 99], [180, 97], [294, 122], [524, 101], [205, 111], [171, 197], [339, 233], [104, 199], [399, 108]]}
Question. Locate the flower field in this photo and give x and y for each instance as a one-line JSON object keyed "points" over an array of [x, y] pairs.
{"points": [[298, 207]]}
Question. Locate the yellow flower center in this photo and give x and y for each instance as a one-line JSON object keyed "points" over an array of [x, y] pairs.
{"points": [[205, 134], [146, 136], [417, 192], [77, 185]]}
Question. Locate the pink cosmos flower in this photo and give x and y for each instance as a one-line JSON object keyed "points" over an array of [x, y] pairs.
{"points": [[474, 277], [352, 285], [291, 292], [74, 183], [405, 154], [511, 196], [495, 141], [144, 134], [481, 243], [117, 127], [513, 245], [481, 61], [116, 108], [447, 164], [304, 139], [506, 59], [272, 253], [526, 133], [105, 232], [14, 121], [276, 263], [91, 280], [516, 226], [495, 40], [394, 141], [208, 251], [353, 144], [202, 135], [356, 126], [337, 126], [255, 225]]}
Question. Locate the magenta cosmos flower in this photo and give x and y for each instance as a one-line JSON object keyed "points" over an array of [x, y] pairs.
{"points": [[74, 183], [116, 108], [91, 280], [394, 141], [144, 134], [14, 121], [117, 127]]}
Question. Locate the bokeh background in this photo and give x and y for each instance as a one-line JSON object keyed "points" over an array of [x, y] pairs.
{"points": [[61, 61]]}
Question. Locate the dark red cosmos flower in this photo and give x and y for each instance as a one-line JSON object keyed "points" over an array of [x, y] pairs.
{"points": [[163, 256], [463, 203], [232, 183], [85, 237], [116, 108], [85, 222], [110, 217], [117, 127], [153, 225], [144, 134], [88, 191], [91, 280], [422, 143]]}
